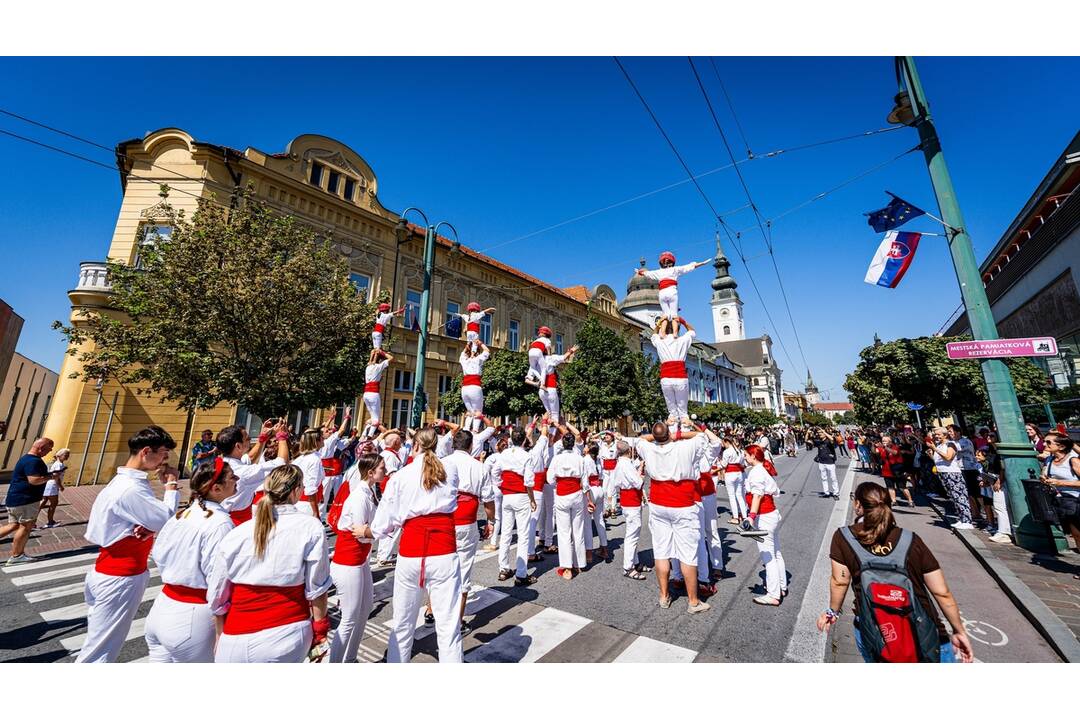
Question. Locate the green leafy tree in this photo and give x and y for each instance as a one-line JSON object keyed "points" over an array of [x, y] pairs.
{"points": [[918, 370], [505, 391], [646, 403], [816, 419], [238, 305], [597, 384]]}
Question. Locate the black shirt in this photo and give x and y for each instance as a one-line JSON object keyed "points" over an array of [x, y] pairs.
{"points": [[826, 452], [21, 492]]}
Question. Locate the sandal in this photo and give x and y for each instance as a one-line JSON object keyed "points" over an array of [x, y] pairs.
{"points": [[505, 575], [633, 574], [734, 521], [535, 558], [642, 568], [766, 600], [551, 549]]}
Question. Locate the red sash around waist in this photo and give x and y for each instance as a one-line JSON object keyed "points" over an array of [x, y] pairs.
{"points": [[428, 535], [467, 505], [733, 467], [767, 504], [673, 493], [350, 551], [630, 498], [537, 345], [706, 486], [567, 485], [473, 327], [512, 482], [181, 593], [539, 480], [304, 497], [332, 466], [673, 369], [125, 557], [552, 380], [372, 387], [594, 481], [470, 380], [379, 328], [609, 463], [668, 282], [261, 607]]}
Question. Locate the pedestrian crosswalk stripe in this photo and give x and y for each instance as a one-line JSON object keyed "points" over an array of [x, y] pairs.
{"points": [[52, 562], [74, 644], [51, 575], [480, 597], [36, 596], [531, 640], [73, 612], [645, 649]]}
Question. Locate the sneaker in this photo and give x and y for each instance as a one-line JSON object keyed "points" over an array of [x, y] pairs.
{"points": [[962, 526], [466, 628], [665, 602], [1001, 538], [19, 559], [51, 525], [701, 607]]}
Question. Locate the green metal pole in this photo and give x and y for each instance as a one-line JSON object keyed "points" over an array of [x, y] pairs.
{"points": [[1014, 448], [1049, 415], [419, 396]]}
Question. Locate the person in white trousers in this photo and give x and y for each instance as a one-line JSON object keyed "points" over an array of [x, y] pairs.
{"points": [[538, 350], [270, 579], [474, 490], [608, 458], [489, 465], [549, 392], [349, 567], [123, 520], [710, 531], [472, 317], [628, 482], [596, 500], [309, 460], [761, 491], [378, 361], [568, 475], [382, 321], [390, 442], [542, 515], [333, 441], [671, 349], [668, 277], [514, 469], [472, 361], [731, 463], [180, 626], [420, 502], [826, 462]]}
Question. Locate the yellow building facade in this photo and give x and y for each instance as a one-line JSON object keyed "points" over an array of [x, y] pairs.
{"points": [[329, 186]]}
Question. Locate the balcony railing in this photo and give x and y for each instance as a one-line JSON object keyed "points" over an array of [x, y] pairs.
{"points": [[94, 276]]}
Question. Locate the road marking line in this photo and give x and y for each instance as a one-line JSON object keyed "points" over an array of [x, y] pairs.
{"points": [[74, 644], [36, 596], [73, 612], [647, 650], [50, 576], [807, 643], [531, 640], [52, 562], [479, 598]]}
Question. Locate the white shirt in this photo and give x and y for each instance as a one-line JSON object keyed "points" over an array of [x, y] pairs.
{"points": [[473, 365], [762, 442], [311, 464], [489, 467], [731, 456], [592, 467], [568, 464], [471, 317], [331, 445], [479, 439], [674, 460], [295, 555], [673, 349], [444, 444], [513, 459], [186, 547], [554, 361], [669, 273], [249, 478], [472, 475], [406, 498], [1063, 471], [52, 486], [391, 460], [626, 476], [944, 465], [760, 482], [608, 451], [125, 502], [383, 319], [540, 454], [373, 373], [358, 509]]}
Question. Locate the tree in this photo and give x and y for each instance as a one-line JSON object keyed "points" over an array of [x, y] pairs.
{"points": [[815, 419], [596, 385], [238, 305], [505, 391], [646, 402], [918, 370]]}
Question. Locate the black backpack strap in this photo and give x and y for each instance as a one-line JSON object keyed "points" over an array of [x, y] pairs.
{"points": [[896, 560]]}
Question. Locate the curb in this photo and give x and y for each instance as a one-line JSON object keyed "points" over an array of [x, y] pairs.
{"points": [[1042, 618]]}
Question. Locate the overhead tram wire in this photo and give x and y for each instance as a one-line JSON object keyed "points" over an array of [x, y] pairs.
{"points": [[712, 208], [731, 106], [757, 214]]}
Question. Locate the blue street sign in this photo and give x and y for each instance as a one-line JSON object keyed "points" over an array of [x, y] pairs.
{"points": [[914, 406]]}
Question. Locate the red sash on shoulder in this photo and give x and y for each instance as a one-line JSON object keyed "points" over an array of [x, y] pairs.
{"points": [[260, 607], [125, 557]]}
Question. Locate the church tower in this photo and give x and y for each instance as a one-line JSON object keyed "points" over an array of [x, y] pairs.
{"points": [[727, 311], [813, 397]]}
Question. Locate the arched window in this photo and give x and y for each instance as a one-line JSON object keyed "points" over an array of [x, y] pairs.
{"points": [[727, 329]]}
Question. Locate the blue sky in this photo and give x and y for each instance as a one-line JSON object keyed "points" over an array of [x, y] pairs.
{"points": [[505, 147]]}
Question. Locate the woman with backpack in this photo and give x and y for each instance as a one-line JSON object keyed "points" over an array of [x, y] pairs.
{"points": [[1062, 471], [895, 621]]}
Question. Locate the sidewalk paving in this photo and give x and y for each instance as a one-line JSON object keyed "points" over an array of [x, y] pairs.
{"points": [[72, 514]]}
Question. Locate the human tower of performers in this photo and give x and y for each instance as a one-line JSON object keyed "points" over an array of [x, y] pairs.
{"points": [[246, 567]]}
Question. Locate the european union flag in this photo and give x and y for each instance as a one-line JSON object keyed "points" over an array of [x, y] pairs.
{"points": [[893, 215]]}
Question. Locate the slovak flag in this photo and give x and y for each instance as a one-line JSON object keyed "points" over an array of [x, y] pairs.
{"points": [[893, 258]]}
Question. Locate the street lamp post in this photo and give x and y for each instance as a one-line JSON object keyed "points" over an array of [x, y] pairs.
{"points": [[419, 396], [1021, 464]]}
